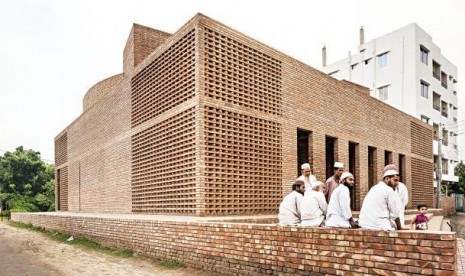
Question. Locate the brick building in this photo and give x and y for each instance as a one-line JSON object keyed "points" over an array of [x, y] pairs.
{"points": [[207, 121]]}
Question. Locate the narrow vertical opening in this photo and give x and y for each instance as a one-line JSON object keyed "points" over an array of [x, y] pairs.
{"points": [[371, 166], [58, 195], [387, 157], [330, 155], [402, 167], [303, 148], [353, 168]]}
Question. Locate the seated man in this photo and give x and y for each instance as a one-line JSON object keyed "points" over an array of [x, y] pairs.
{"points": [[339, 213], [381, 205], [313, 207], [289, 209]]}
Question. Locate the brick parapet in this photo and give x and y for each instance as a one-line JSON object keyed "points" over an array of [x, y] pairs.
{"points": [[253, 249]]}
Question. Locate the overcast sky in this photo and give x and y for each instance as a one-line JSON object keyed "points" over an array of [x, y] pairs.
{"points": [[52, 52]]}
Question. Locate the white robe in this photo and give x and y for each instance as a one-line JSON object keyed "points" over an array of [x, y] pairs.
{"points": [[402, 192], [339, 212], [309, 181], [380, 206], [313, 208], [289, 209]]}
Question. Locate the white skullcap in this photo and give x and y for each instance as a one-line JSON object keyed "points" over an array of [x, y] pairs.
{"points": [[338, 165], [316, 184], [305, 166], [390, 173], [345, 175]]}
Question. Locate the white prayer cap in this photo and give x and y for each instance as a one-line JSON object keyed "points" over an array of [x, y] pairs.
{"points": [[390, 167], [305, 166], [390, 173], [338, 165], [345, 175]]}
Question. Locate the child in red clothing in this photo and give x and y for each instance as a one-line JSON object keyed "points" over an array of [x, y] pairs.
{"points": [[420, 221]]}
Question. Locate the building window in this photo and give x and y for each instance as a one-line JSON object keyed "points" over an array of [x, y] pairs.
{"points": [[435, 131], [436, 101], [424, 89], [383, 60], [444, 79], [445, 166], [445, 137], [424, 54], [444, 109], [455, 120], [436, 70], [383, 93], [424, 119]]}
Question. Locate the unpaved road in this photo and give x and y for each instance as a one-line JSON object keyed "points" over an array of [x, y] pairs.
{"points": [[26, 252]]}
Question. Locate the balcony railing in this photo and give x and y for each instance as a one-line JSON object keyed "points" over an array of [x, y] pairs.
{"points": [[445, 142], [436, 107], [436, 75], [444, 113], [444, 84]]}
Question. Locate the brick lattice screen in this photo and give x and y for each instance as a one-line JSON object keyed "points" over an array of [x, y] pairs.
{"points": [[163, 166], [422, 142], [422, 175], [166, 82], [63, 189], [243, 158], [241, 75], [61, 149]]}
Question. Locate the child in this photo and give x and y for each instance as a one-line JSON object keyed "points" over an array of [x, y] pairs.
{"points": [[420, 221]]}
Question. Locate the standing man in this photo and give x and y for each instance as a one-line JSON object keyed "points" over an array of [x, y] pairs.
{"points": [[402, 193], [333, 182], [289, 209], [381, 205], [307, 176], [339, 214]]}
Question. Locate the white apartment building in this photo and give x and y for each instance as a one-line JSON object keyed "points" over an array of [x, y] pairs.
{"points": [[406, 70]]}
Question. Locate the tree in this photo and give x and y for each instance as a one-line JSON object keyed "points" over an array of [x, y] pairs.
{"points": [[459, 187], [26, 182]]}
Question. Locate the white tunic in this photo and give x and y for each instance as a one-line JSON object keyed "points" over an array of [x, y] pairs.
{"points": [[309, 181], [380, 205], [289, 209], [339, 212], [313, 208], [402, 192]]}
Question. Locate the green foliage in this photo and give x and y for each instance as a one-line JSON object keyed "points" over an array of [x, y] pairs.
{"points": [[459, 187], [26, 182]]}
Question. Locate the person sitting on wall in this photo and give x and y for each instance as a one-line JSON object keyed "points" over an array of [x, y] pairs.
{"points": [[289, 209], [313, 206], [333, 182], [339, 213], [381, 205], [420, 221], [307, 176], [402, 193]]}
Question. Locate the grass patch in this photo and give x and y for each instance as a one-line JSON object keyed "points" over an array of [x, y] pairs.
{"points": [[91, 245], [81, 242]]}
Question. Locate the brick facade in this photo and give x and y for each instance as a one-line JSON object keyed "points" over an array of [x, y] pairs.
{"points": [[252, 249], [204, 122]]}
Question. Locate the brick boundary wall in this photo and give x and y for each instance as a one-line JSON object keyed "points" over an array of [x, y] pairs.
{"points": [[253, 249]]}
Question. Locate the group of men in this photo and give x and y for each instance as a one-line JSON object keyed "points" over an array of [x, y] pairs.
{"points": [[312, 203]]}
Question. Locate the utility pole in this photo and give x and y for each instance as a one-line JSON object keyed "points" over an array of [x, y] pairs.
{"points": [[439, 165]]}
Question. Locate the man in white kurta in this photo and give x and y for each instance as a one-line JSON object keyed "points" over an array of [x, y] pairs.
{"points": [[402, 193], [313, 206], [289, 209], [381, 205], [307, 176], [339, 214]]}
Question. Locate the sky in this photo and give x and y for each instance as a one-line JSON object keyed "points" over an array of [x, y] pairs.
{"points": [[53, 51]]}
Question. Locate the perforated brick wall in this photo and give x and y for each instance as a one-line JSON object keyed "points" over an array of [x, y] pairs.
{"points": [[240, 74], [61, 149], [163, 166], [166, 82], [242, 163], [63, 189], [422, 192]]}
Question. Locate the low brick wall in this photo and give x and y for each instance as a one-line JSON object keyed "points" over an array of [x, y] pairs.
{"points": [[253, 249]]}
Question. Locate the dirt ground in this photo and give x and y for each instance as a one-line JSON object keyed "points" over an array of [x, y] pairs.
{"points": [[26, 252]]}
